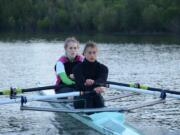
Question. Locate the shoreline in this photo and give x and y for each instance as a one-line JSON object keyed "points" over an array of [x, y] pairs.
{"points": [[139, 38]]}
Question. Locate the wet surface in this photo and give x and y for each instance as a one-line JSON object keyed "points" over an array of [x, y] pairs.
{"points": [[29, 64]]}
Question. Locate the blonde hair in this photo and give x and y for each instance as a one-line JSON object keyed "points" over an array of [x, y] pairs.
{"points": [[89, 44], [71, 39]]}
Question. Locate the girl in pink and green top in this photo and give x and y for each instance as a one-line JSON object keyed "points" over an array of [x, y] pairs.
{"points": [[65, 64]]}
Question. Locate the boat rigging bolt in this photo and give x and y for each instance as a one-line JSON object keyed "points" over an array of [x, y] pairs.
{"points": [[23, 100], [13, 93], [137, 85], [163, 94]]}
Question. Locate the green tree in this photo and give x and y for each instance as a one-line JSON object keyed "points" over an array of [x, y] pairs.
{"points": [[90, 15], [44, 24], [152, 18]]}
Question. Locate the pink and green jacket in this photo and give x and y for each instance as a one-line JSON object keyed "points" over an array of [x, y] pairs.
{"points": [[64, 68]]}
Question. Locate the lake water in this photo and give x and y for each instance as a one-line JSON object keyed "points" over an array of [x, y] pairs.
{"points": [[29, 62]]}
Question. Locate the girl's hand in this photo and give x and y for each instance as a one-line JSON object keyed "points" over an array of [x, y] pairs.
{"points": [[71, 76], [89, 82], [100, 90]]}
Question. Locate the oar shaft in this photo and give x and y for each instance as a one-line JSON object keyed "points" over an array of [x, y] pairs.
{"points": [[62, 95], [117, 83], [143, 87], [35, 98], [137, 90], [39, 88]]}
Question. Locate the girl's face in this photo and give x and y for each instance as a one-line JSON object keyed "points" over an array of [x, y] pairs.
{"points": [[72, 49], [91, 54]]}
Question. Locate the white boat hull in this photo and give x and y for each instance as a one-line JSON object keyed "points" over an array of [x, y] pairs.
{"points": [[107, 123]]}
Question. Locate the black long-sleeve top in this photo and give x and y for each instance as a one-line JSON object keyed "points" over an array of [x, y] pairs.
{"points": [[89, 70]]}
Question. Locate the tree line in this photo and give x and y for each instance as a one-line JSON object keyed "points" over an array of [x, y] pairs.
{"points": [[102, 16]]}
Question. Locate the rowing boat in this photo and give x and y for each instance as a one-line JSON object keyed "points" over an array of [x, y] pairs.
{"points": [[108, 123]]}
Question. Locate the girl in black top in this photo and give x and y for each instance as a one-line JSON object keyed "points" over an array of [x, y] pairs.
{"points": [[88, 75]]}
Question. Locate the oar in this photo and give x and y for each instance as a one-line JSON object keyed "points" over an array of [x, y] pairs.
{"points": [[162, 93], [24, 99], [14, 91], [139, 86]]}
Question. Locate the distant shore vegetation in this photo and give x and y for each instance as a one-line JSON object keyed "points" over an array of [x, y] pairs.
{"points": [[101, 16]]}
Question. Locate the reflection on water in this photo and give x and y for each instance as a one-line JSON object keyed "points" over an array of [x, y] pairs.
{"points": [[101, 38], [28, 64]]}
